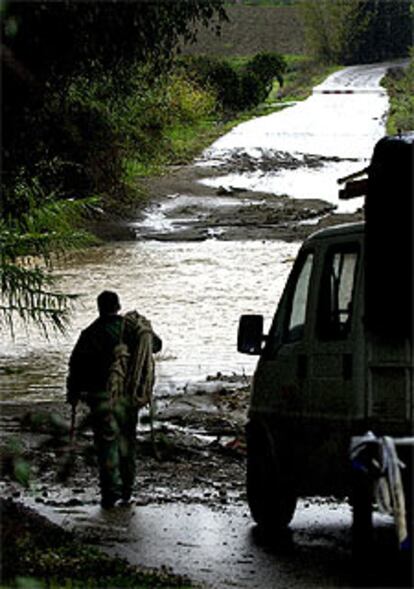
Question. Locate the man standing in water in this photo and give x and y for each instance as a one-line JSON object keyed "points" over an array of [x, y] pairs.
{"points": [[111, 368]]}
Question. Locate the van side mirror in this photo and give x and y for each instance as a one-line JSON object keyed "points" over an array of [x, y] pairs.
{"points": [[250, 335]]}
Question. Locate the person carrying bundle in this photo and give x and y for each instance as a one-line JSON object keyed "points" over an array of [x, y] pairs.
{"points": [[111, 368]]}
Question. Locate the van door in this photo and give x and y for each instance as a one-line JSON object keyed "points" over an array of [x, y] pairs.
{"points": [[335, 391], [337, 341], [280, 379]]}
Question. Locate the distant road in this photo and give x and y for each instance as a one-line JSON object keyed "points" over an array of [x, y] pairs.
{"points": [[345, 126], [359, 78], [342, 120]]}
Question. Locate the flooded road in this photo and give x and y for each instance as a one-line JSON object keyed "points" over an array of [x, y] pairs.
{"points": [[343, 119], [191, 511], [194, 291]]}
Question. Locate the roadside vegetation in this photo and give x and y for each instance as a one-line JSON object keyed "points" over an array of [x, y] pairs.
{"points": [[400, 87], [80, 92], [357, 31]]}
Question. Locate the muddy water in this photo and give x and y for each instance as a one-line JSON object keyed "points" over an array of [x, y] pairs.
{"points": [[193, 293]]}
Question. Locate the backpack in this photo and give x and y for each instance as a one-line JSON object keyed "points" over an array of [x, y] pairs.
{"points": [[131, 374], [118, 369]]}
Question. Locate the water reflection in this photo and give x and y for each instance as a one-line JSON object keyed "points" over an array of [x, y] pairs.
{"points": [[193, 293]]}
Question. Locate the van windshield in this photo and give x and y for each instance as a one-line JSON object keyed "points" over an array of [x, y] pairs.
{"points": [[297, 316]]}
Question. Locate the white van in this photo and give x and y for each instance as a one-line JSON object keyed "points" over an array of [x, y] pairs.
{"points": [[338, 359]]}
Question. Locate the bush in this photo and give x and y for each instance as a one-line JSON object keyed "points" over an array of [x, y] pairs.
{"points": [[85, 137], [213, 74], [187, 101], [236, 88], [72, 149], [400, 86], [251, 91], [357, 31], [267, 67]]}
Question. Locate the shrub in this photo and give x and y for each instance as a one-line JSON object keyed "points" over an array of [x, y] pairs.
{"points": [[251, 91], [214, 74], [267, 67], [85, 136], [400, 86], [236, 88], [188, 102]]}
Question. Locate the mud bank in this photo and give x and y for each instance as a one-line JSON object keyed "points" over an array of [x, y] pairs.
{"points": [[197, 453], [231, 213]]}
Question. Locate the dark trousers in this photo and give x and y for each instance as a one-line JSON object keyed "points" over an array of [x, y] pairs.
{"points": [[114, 429]]}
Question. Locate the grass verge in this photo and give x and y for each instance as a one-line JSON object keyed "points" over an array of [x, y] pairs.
{"points": [[400, 87]]}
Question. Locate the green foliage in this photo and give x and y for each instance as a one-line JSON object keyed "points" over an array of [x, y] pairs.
{"points": [[75, 106], [400, 87], [389, 33], [26, 283], [263, 69], [55, 41], [238, 86], [214, 74], [188, 102], [13, 462], [302, 74], [357, 31], [26, 294], [268, 66], [52, 51], [332, 28]]}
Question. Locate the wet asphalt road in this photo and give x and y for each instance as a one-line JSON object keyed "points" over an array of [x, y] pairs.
{"points": [[220, 546]]}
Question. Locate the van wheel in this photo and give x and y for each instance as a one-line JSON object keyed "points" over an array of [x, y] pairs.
{"points": [[362, 524], [271, 492]]}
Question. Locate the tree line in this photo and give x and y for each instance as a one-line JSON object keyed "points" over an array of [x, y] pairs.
{"points": [[358, 31]]}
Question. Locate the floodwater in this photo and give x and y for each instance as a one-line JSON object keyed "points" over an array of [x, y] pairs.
{"points": [[194, 292], [344, 118]]}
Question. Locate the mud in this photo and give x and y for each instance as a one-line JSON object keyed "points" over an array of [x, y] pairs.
{"points": [[253, 215], [198, 450], [189, 514]]}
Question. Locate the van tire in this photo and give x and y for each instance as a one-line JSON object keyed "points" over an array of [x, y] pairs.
{"points": [[362, 523], [271, 493]]}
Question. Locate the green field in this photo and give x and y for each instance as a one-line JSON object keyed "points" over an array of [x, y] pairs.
{"points": [[253, 29]]}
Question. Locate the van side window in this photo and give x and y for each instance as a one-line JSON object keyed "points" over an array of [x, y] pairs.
{"points": [[337, 292], [297, 315]]}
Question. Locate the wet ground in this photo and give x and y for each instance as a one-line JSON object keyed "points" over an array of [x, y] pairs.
{"points": [[189, 512], [187, 209]]}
